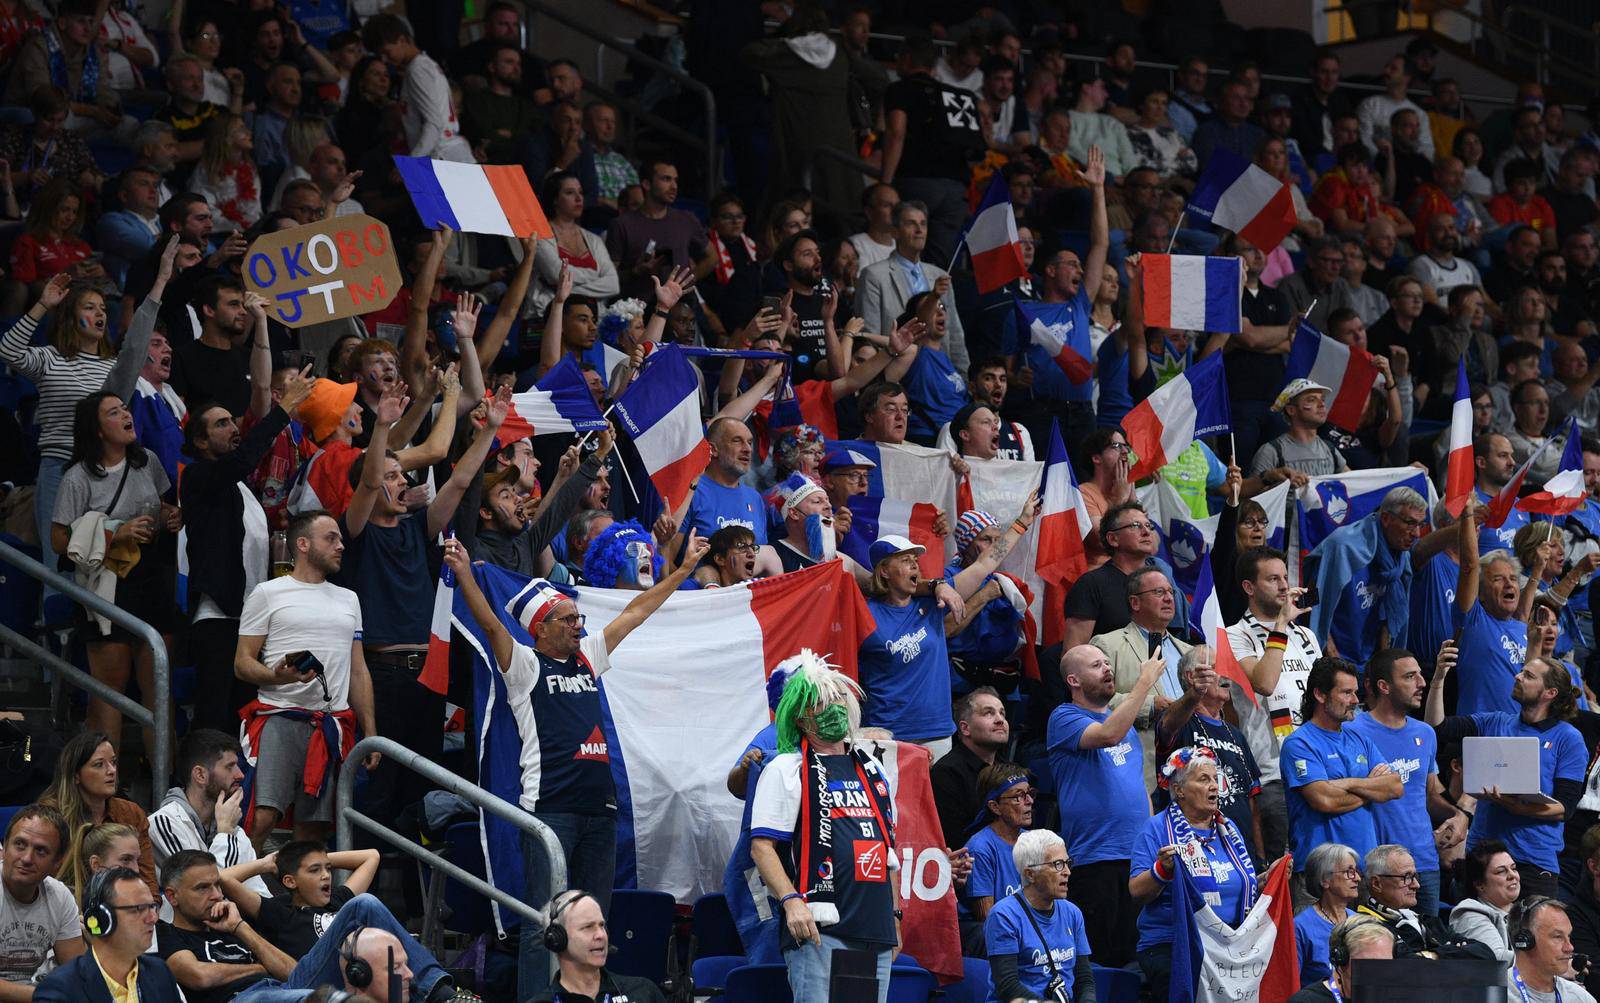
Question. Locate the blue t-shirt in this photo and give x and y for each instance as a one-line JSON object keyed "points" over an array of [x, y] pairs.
{"points": [[1501, 537], [994, 873], [1229, 901], [1311, 931], [1111, 372], [935, 389], [714, 506], [759, 936], [387, 567], [1049, 382], [1561, 757], [1433, 599], [159, 430], [1312, 754], [1493, 652], [1103, 800], [1009, 932], [1410, 751], [905, 670]]}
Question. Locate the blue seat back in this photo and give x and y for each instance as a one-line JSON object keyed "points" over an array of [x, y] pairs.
{"points": [[712, 972], [974, 984], [1115, 985], [714, 930], [759, 984], [911, 985], [640, 923]]}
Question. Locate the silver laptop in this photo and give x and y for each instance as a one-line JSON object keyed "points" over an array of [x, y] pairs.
{"points": [[1509, 764]]}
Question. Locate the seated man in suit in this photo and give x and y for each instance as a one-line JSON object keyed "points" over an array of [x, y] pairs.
{"points": [[119, 916], [1151, 604], [886, 286]]}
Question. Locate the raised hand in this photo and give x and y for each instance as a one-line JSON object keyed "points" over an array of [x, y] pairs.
{"points": [[345, 188], [607, 438], [55, 290], [456, 557], [169, 254], [256, 305], [568, 464], [695, 550], [296, 388], [668, 293], [449, 381], [465, 315], [1094, 169], [828, 305], [392, 404], [905, 335], [563, 284], [499, 407]]}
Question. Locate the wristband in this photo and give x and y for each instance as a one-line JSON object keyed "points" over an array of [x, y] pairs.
{"points": [[791, 895], [1155, 869], [1017, 525], [1277, 640]]}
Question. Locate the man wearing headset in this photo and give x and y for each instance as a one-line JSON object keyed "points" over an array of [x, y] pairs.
{"points": [[1356, 938], [576, 935], [119, 915], [365, 959], [1542, 972]]}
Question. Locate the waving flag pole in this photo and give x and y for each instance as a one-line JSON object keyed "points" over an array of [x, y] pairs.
{"points": [[1190, 406], [1564, 493], [1458, 472], [992, 240], [1501, 504]]}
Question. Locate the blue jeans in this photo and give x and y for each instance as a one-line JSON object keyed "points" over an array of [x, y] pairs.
{"points": [[590, 842], [46, 488], [810, 967], [321, 966], [1428, 893]]}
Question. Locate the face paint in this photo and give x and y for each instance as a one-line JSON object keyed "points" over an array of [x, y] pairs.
{"points": [[820, 543], [832, 722], [640, 568]]}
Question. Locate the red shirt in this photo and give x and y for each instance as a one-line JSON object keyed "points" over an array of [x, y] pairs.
{"points": [[1536, 212], [34, 260], [1335, 191]]}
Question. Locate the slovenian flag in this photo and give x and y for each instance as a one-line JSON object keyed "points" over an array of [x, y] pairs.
{"points": [[661, 411], [1563, 493], [1185, 540], [1063, 524], [1190, 406], [1239, 196], [1213, 962], [1051, 329], [1335, 500], [436, 669], [559, 402], [1347, 372], [992, 239], [872, 518], [701, 649], [1458, 478], [1192, 292], [474, 198]]}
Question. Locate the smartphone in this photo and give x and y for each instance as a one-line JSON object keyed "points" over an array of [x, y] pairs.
{"points": [[305, 359], [772, 303], [650, 248], [1309, 598]]}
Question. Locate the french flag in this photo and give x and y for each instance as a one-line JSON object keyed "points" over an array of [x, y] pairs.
{"points": [[1458, 476], [1192, 292], [1501, 504], [992, 239], [474, 198], [661, 411], [436, 668], [1063, 523], [1205, 619], [1051, 329], [872, 518], [1239, 196], [1347, 371], [1257, 960], [1564, 493], [560, 402], [1190, 406]]}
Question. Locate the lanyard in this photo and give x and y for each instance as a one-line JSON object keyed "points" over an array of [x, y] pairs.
{"points": [[1522, 987], [1333, 987]]}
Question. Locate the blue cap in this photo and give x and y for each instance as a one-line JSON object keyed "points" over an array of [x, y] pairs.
{"points": [[843, 456], [889, 546]]}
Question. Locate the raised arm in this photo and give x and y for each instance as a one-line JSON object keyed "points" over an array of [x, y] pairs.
{"points": [[1104, 734], [1099, 229], [443, 506], [136, 340], [436, 447], [742, 406], [647, 602], [668, 294], [458, 561], [550, 344], [1467, 549], [414, 345], [362, 865], [494, 336], [970, 579], [902, 349], [1131, 334], [372, 462], [1443, 663], [260, 356]]}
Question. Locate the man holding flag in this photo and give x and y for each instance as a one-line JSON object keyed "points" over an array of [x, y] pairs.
{"points": [[551, 687], [1362, 572]]}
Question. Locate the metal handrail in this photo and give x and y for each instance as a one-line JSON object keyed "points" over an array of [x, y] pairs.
{"points": [[847, 159], [158, 719], [709, 142], [347, 815]]}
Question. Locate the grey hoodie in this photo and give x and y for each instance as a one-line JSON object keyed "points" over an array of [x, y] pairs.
{"points": [[1477, 920]]}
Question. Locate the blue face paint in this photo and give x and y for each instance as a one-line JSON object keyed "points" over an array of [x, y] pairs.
{"points": [[819, 537], [639, 568]]}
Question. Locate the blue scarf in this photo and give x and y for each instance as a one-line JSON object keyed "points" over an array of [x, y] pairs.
{"points": [[1337, 559], [90, 81], [1190, 849]]}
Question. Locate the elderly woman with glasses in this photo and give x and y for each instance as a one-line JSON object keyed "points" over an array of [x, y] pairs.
{"points": [[1333, 874], [1191, 830], [1037, 946]]}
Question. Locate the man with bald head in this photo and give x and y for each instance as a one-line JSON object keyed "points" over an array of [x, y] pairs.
{"points": [[721, 498], [1097, 764], [378, 948], [1439, 269]]}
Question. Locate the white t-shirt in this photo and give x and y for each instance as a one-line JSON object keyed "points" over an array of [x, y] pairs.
{"points": [[28, 932], [1262, 733], [869, 251], [323, 619]]}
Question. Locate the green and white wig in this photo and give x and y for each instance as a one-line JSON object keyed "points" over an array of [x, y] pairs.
{"points": [[813, 684]]}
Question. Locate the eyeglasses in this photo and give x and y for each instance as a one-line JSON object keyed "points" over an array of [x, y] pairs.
{"points": [[138, 907], [571, 620], [1253, 523], [1147, 526], [1350, 872], [745, 548], [1017, 797], [1407, 521], [1408, 878], [731, 217], [1164, 590], [1058, 865], [1121, 447]]}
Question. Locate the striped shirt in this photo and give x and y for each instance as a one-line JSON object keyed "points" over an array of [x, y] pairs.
{"points": [[63, 382]]}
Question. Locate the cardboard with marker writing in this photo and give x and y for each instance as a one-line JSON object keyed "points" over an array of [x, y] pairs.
{"points": [[333, 268]]}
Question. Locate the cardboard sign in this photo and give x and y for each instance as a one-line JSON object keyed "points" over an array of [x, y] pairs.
{"points": [[333, 268]]}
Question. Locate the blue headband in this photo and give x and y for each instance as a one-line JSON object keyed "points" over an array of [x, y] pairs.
{"points": [[984, 815]]}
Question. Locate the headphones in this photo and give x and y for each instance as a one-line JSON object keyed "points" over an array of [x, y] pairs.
{"points": [[1339, 946], [555, 935], [99, 919], [356, 970], [1522, 939]]}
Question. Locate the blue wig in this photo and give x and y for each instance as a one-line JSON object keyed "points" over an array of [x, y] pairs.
{"points": [[608, 554]]}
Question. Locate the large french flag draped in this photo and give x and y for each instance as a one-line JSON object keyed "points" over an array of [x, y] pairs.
{"points": [[1051, 329], [661, 411], [1192, 292], [1563, 493], [711, 648], [1347, 371], [474, 198], [1239, 196], [992, 239], [559, 402], [1458, 477], [1326, 503], [1213, 962], [436, 669], [871, 518], [1190, 406]]}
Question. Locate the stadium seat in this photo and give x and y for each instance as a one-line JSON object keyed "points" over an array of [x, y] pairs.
{"points": [[1115, 985], [758, 984], [711, 973], [469, 912], [7, 812], [911, 985], [906, 961], [714, 933], [19, 593], [974, 984], [641, 929]]}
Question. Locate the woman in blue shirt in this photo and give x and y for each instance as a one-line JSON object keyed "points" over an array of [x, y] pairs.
{"points": [[1037, 945], [1191, 829], [1007, 813], [1334, 870]]}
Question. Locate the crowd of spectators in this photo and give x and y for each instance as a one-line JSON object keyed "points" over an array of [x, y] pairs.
{"points": [[277, 502]]}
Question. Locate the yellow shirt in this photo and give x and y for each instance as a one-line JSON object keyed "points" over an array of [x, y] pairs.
{"points": [[123, 992]]}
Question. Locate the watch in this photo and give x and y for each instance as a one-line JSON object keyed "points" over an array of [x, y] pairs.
{"points": [[899, 914]]}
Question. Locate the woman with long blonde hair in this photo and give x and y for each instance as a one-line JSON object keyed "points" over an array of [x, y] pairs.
{"points": [[226, 175], [96, 848]]}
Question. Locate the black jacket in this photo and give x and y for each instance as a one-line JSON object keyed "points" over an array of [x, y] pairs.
{"points": [[1584, 911], [213, 511]]}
